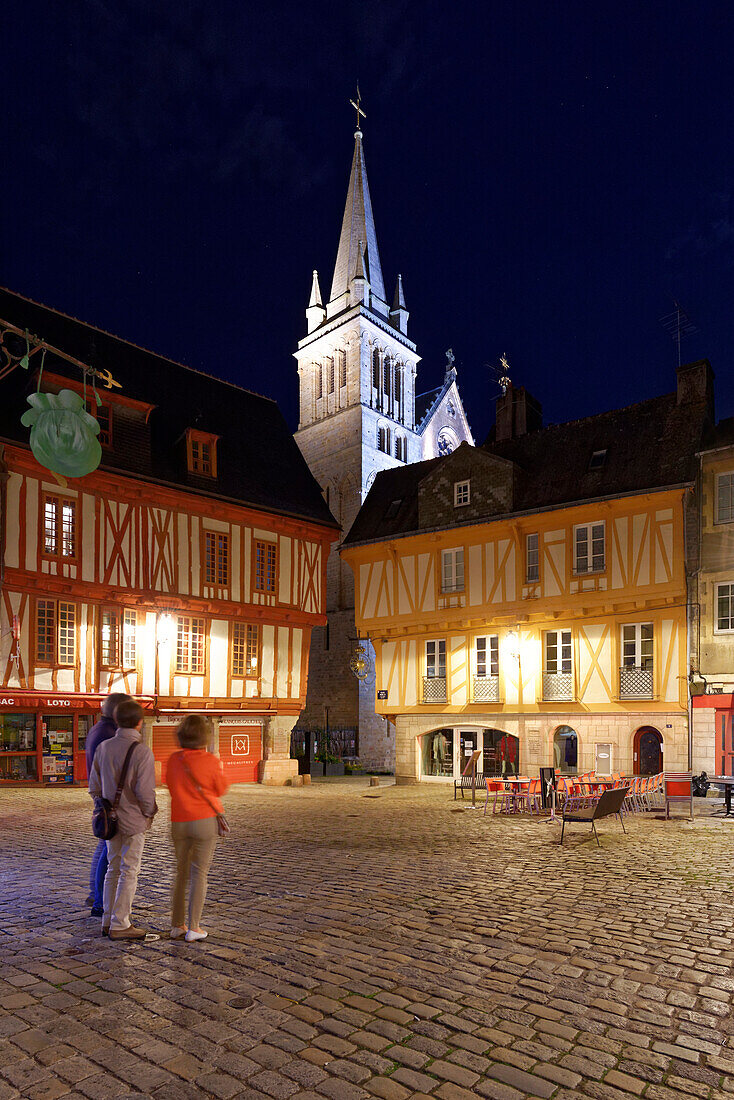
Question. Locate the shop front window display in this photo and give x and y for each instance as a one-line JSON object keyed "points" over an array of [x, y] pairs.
{"points": [[58, 749], [18, 747]]}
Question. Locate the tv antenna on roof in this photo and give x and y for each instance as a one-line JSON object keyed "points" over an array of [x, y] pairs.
{"points": [[678, 325]]}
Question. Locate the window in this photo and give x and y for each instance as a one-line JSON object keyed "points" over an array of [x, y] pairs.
{"points": [[201, 453], [598, 460], [190, 644], [386, 376], [59, 527], [398, 384], [383, 439], [446, 442], [589, 550], [532, 558], [103, 416], [436, 660], [462, 493], [319, 381], [55, 632], [558, 651], [393, 508], [401, 448], [245, 649], [725, 606], [266, 566], [330, 372], [117, 638], [725, 498], [216, 558], [637, 645], [342, 367], [488, 656], [376, 369], [452, 570]]}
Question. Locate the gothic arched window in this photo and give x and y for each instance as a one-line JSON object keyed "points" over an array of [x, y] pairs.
{"points": [[386, 376], [398, 382], [330, 372], [383, 439], [319, 380], [342, 368]]}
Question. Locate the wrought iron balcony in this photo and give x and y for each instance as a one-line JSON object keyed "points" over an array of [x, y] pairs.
{"points": [[434, 689], [557, 686], [635, 682], [486, 689]]}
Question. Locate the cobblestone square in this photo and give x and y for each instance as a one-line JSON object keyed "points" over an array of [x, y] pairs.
{"points": [[373, 943]]}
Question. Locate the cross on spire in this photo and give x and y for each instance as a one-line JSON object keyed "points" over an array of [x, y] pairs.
{"points": [[357, 106]]}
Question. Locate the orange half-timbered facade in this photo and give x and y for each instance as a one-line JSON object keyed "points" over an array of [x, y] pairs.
{"points": [[529, 598], [187, 570]]}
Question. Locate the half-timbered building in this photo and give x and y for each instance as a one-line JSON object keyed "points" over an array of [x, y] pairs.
{"points": [[529, 597], [188, 569]]}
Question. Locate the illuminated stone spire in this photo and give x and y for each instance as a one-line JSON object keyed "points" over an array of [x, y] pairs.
{"points": [[315, 313], [357, 226]]}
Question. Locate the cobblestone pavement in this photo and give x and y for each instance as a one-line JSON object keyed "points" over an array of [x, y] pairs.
{"points": [[374, 943]]}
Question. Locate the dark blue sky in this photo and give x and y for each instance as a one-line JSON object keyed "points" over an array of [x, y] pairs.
{"points": [[547, 178]]}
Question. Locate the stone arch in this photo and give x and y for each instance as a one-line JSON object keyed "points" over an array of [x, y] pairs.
{"points": [[647, 751]]}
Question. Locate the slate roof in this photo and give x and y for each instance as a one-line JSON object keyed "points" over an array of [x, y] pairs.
{"points": [[259, 463], [650, 445], [425, 403]]}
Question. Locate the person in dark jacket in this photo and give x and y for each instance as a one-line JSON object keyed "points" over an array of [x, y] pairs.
{"points": [[102, 731]]}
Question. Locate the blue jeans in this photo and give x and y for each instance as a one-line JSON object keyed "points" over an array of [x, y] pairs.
{"points": [[97, 874]]}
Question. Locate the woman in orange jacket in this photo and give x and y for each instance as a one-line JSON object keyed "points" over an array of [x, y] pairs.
{"points": [[196, 780]]}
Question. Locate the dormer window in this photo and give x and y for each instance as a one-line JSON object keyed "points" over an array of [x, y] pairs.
{"points": [[462, 493], [598, 460], [201, 453]]}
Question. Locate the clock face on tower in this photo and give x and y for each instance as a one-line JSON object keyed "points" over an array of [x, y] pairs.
{"points": [[446, 442]]}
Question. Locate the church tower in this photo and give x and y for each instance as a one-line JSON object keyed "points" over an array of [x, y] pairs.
{"points": [[357, 370]]}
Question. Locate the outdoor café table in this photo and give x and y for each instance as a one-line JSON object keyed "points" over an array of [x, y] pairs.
{"points": [[725, 783]]}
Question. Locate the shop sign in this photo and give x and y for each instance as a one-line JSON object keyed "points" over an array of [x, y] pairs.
{"points": [[240, 744], [57, 702]]}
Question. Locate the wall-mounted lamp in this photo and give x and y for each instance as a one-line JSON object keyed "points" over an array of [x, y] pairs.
{"points": [[512, 645]]}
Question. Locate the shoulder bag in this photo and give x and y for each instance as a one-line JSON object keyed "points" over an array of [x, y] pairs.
{"points": [[222, 824], [104, 815]]}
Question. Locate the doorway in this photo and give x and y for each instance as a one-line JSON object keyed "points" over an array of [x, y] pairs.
{"points": [[648, 750]]}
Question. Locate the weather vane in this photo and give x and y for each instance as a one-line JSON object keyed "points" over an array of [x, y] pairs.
{"points": [[357, 106], [504, 379]]}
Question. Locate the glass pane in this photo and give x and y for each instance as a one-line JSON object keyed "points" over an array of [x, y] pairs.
{"points": [[17, 732], [85, 724], [442, 659], [437, 753], [481, 656], [494, 655], [23, 769], [501, 753], [58, 748], [565, 750]]}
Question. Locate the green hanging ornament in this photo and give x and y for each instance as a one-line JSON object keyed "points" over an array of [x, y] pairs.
{"points": [[63, 433]]}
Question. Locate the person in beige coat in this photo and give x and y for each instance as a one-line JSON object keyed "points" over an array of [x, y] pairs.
{"points": [[135, 815]]}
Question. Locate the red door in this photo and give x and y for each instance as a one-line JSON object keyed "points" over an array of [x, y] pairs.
{"points": [[726, 743], [240, 750]]}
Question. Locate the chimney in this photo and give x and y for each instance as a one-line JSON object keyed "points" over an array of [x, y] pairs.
{"points": [[517, 414], [696, 383]]}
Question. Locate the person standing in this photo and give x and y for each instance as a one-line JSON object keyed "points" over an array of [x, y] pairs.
{"points": [[101, 731], [196, 780], [135, 813]]}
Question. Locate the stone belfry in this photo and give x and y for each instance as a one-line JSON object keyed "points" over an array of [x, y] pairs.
{"points": [[356, 369]]}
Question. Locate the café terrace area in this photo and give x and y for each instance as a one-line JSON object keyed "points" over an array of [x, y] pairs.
{"points": [[375, 942]]}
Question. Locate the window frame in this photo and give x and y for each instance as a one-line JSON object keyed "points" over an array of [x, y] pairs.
{"points": [[457, 559], [719, 478], [459, 488], [120, 663], [256, 587], [190, 669], [439, 655], [60, 502], [195, 458], [591, 570], [639, 659], [384, 434], [491, 658], [218, 558], [53, 660], [249, 670], [718, 629], [529, 578], [559, 646]]}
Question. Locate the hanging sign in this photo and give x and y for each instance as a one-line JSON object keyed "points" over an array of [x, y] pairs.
{"points": [[63, 433]]}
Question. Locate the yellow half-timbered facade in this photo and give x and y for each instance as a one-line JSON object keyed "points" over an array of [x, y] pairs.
{"points": [[539, 629]]}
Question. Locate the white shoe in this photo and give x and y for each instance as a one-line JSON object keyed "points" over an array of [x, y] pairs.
{"points": [[192, 936], [177, 933]]}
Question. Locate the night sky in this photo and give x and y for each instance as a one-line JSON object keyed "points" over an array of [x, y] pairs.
{"points": [[547, 178]]}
